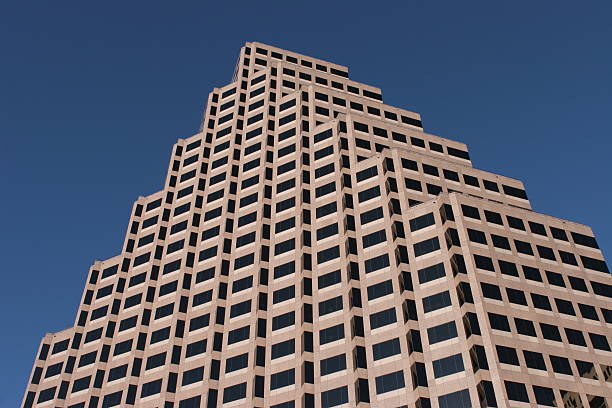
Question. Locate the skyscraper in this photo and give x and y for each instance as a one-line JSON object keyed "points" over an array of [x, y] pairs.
{"points": [[314, 247]]}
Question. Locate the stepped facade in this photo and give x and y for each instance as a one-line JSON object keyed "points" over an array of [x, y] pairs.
{"points": [[315, 247]]}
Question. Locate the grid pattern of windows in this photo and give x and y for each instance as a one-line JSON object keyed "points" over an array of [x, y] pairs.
{"points": [[314, 247]]}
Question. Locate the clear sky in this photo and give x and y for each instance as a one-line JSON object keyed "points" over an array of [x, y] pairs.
{"points": [[94, 94]]}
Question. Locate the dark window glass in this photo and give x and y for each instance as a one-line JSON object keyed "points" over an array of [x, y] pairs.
{"points": [[534, 360], [448, 365], [390, 382], [386, 349], [442, 332], [437, 301]]}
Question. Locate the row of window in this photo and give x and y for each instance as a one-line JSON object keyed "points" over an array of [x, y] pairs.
{"points": [[516, 391], [534, 227]]}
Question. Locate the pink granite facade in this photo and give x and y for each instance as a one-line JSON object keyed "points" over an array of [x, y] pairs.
{"points": [[315, 247]]}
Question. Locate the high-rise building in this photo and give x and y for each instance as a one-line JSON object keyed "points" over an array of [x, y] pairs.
{"points": [[314, 247]]}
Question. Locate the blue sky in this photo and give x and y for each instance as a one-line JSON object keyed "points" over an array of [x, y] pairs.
{"points": [[94, 94]]}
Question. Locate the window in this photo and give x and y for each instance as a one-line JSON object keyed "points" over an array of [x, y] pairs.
{"points": [[442, 332], [367, 173], [431, 170], [546, 253], [113, 374], [470, 212], [53, 370], [283, 348], [328, 254], [376, 263], [523, 247], [507, 355], [196, 348], [386, 349], [371, 215], [515, 192], [586, 369], [242, 284], [88, 358], [493, 217], [458, 399], [236, 363], [202, 298], [431, 273], [490, 291], [500, 242], [525, 327], [199, 322], [369, 194], [594, 264], [283, 294], [532, 273], [326, 209], [516, 296], [544, 396], [565, 307], [382, 318], [516, 391], [336, 396], [331, 334], [477, 236], [125, 346], [156, 360], [483, 262], [192, 376], [415, 141], [241, 308], [490, 185], [284, 320], [237, 335], [537, 228], [234, 393], [329, 279], [390, 382], [284, 246], [584, 240], [561, 365], [437, 301], [541, 302], [534, 360], [599, 342], [550, 332], [330, 305], [499, 322], [575, 337], [508, 268], [193, 402], [515, 223], [451, 175], [380, 289], [448, 365], [333, 364], [157, 335], [374, 238], [282, 379], [164, 311], [558, 233], [426, 246], [555, 279], [471, 180], [282, 270], [413, 184], [422, 222], [151, 388]]}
